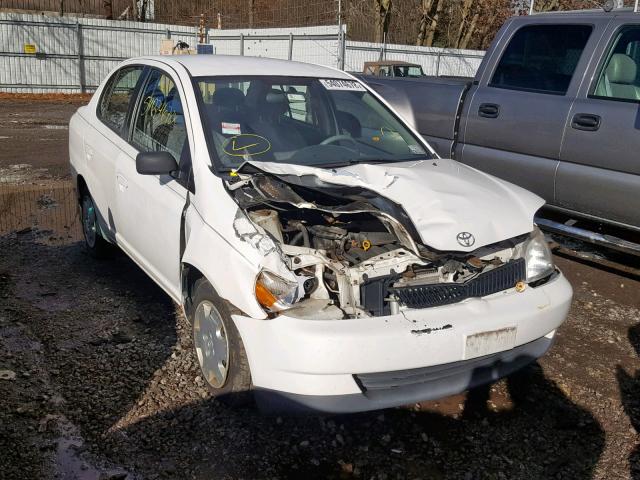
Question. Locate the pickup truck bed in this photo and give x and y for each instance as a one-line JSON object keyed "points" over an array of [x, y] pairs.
{"points": [[554, 108], [430, 104]]}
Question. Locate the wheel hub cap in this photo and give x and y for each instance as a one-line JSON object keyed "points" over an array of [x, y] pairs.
{"points": [[211, 344]]}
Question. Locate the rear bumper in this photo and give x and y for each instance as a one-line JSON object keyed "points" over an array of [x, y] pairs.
{"points": [[331, 365], [411, 386]]}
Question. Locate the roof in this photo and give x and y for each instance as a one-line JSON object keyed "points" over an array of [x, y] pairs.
{"points": [[591, 12], [392, 62], [215, 65]]}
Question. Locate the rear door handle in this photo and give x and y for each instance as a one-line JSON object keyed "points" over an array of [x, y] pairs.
{"points": [[122, 183], [489, 110], [586, 121], [88, 149]]}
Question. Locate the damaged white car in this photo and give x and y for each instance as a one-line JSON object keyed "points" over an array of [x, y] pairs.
{"points": [[326, 257]]}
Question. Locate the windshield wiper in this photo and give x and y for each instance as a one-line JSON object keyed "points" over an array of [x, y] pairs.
{"points": [[348, 163]]}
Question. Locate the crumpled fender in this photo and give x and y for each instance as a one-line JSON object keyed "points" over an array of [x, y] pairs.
{"points": [[231, 259]]}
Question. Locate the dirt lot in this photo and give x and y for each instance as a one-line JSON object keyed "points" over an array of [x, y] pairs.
{"points": [[34, 130], [97, 381]]}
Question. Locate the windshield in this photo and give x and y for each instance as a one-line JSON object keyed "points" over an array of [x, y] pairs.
{"points": [[304, 121], [411, 71]]}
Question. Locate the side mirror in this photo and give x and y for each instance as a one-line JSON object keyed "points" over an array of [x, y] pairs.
{"points": [[155, 163]]}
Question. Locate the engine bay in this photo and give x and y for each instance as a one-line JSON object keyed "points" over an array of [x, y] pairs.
{"points": [[356, 256]]}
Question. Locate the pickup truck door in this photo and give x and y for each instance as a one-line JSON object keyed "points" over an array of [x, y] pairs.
{"points": [[517, 111], [599, 172], [149, 207]]}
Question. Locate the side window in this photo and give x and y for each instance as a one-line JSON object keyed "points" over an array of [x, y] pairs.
{"points": [[159, 122], [619, 78], [541, 58], [383, 71], [117, 95]]}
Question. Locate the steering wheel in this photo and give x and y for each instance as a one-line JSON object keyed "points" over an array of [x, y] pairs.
{"points": [[338, 138]]}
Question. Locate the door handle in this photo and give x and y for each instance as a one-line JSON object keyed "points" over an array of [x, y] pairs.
{"points": [[122, 183], [88, 152], [489, 110], [586, 121]]}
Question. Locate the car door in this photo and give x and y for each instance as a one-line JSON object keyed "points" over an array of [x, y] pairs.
{"points": [[102, 143], [149, 207], [599, 172], [516, 115]]}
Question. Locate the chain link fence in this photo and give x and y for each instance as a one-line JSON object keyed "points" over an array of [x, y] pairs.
{"points": [[76, 8], [40, 54]]}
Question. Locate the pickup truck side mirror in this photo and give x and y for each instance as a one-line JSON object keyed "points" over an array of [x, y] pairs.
{"points": [[155, 163]]}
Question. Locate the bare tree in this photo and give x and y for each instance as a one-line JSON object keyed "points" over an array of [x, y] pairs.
{"points": [[143, 10], [433, 25], [425, 6], [383, 17], [108, 9]]}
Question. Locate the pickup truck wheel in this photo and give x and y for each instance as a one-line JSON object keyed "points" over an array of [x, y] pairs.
{"points": [[218, 347], [97, 246]]}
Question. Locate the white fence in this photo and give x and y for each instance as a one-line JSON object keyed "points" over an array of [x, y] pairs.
{"points": [[75, 54]]}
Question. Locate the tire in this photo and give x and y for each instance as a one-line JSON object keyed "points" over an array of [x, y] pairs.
{"points": [[95, 244], [218, 347]]}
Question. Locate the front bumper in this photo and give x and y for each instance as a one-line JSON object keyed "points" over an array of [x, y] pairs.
{"points": [[320, 364]]}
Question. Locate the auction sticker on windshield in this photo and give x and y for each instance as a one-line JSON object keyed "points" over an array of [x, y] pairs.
{"points": [[336, 84]]}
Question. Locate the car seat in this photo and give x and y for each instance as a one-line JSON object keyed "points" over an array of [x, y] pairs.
{"points": [[270, 122], [619, 79], [227, 106]]}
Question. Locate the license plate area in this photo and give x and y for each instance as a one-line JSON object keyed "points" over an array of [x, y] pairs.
{"points": [[486, 343]]}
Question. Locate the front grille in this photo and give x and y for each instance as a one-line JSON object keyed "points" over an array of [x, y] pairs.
{"points": [[494, 281], [374, 292]]}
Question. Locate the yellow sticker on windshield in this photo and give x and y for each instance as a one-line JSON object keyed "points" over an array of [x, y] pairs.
{"points": [[246, 144]]}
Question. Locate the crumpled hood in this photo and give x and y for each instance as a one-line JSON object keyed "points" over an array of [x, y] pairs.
{"points": [[444, 199]]}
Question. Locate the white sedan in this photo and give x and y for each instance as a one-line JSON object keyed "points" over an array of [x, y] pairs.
{"points": [[326, 257]]}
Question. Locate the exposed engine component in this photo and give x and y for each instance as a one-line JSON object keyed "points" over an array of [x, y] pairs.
{"points": [[351, 257], [268, 219]]}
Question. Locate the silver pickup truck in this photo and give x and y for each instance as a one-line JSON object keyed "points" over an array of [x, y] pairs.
{"points": [[554, 108]]}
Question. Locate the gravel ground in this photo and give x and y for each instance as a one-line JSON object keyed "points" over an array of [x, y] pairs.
{"points": [[34, 130], [106, 387], [97, 378]]}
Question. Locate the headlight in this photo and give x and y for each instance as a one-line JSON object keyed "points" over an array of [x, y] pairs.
{"points": [[537, 256], [274, 292]]}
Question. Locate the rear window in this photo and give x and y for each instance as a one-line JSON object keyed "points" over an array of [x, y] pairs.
{"points": [[541, 58], [117, 97]]}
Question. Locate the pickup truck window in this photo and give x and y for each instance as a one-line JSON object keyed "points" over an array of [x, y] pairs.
{"points": [[116, 98], [305, 121], [619, 78], [541, 58]]}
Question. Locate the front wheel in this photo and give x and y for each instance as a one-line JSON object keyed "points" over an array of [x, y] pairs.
{"points": [[96, 245], [218, 347]]}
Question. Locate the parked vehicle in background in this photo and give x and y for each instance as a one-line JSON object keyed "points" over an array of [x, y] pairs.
{"points": [[326, 258], [393, 69], [553, 108]]}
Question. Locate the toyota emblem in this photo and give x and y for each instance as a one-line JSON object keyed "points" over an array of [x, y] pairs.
{"points": [[466, 239]]}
